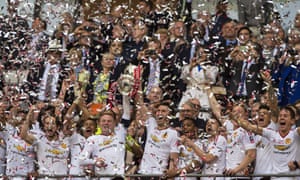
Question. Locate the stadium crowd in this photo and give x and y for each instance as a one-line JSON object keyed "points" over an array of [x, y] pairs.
{"points": [[150, 91]]}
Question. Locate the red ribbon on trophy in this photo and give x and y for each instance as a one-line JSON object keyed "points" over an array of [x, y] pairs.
{"points": [[137, 81]]}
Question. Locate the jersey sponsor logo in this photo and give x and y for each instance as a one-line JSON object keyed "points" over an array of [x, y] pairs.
{"points": [[154, 144], [155, 138], [235, 134], [106, 142], [107, 147], [281, 147], [55, 151], [284, 144]]}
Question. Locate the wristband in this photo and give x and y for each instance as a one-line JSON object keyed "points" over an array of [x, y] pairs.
{"points": [[296, 164]]}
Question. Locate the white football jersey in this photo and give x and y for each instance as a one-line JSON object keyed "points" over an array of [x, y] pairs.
{"points": [[52, 156]]}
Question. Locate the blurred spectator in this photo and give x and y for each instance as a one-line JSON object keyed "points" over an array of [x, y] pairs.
{"points": [[101, 82], [244, 35], [270, 52], [222, 46], [146, 14], [255, 15], [178, 42], [51, 73], [199, 74], [288, 84], [245, 81], [139, 39], [220, 17]]}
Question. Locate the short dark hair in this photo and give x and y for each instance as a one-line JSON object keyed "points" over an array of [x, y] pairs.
{"points": [[190, 119], [245, 28], [167, 103], [44, 111], [290, 109], [264, 106]]}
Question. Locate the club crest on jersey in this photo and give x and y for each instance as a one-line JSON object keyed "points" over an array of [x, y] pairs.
{"points": [[63, 145], [165, 135], [288, 141], [189, 149]]}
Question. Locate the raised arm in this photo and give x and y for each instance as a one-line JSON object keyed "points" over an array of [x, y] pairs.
{"points": [[272, 97], [24, 134], [247, 125], [80, 103], [215, 106]]}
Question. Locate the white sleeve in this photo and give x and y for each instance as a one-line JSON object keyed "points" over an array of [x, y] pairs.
{"points": [[174, 143], [268, 133], [219, 147], [85, 155], [150, 123], [296, 135], [249, 140]]}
